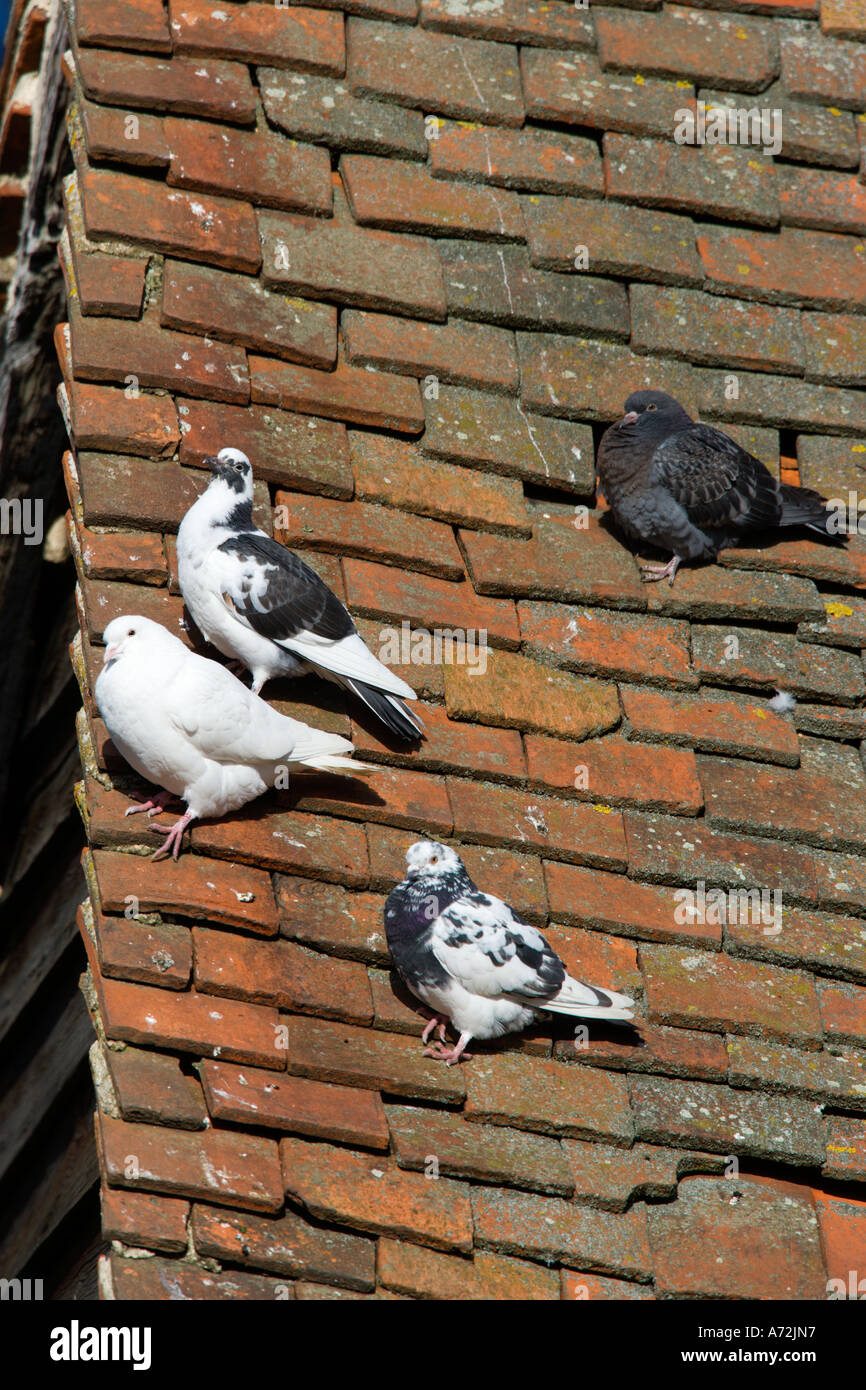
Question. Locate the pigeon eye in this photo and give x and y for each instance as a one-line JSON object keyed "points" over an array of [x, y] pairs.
{"points": [[651, 407], [434, 859], [131, 632]]}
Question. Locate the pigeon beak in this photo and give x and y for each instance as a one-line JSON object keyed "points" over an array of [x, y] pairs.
{"points": [[110, 653], [628, 419], [211, 463]]}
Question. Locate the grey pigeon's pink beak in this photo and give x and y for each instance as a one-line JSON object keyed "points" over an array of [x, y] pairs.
{"points": [[629, 418]]}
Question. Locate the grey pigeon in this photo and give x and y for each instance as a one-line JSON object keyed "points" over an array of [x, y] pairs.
{"points": [[689, 488], [261, 604], [190, 726], [473, 961]]}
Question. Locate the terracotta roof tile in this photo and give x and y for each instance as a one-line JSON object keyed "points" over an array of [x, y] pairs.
{"points": [[471, 79], [496, 283], [402, 196], [514, 21], [145, 353], [327, 916], [573, 88], [549, 1098], [226, 893], [424, 1273], [451, 746], [614, 772], [221, 90], [138, 24], [143, 1219], [843, 1012], [395, 473], [348, 264], [295, 1105], [814, 1075], [370, 1059], [610, 1178], [536, 160], [150, 1087], [605, 901], [323, 110], [485, 1153], [731, 185], [841, 1221], [458, 354], [231, 1169], [789, 267], [596, 1286], [736, 53], [705, 1217], [158, 954], [218, 231], [580, 562], [820, 70], [372, 1194], [709, 990], [134, 1279], [662, 1051], [101, 417], [108, 285], [260, 165], [549, 1229], [303, 38], [285, 1245], [692, 1114], [342, 393]]}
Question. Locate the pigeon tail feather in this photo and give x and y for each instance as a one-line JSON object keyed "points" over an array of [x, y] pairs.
{"points": [[334, 762], [619, 1008], [801, 506], [609, 1015], [390, 709]]}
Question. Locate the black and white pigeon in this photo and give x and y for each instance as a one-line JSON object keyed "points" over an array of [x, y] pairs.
{"points": [[473, 961], [689, 488], [260, 604], [190, 726]]}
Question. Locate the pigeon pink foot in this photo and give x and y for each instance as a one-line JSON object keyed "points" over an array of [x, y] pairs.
{"points": [[153, 806], [652, 573], [173, 836], [450, 1055], [435, 1022]]}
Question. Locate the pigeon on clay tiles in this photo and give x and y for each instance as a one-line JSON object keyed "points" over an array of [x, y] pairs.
{"points": [[258, 602], [472, 960], [688, 488], [192, 727]]}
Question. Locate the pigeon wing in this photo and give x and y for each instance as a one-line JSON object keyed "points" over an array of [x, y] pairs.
{"points": [[275, 593], [491, 952], [228, 724], [718, 484]]}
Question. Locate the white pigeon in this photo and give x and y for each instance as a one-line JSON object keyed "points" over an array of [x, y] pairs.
{"points": [[472, 960], [192, 727], [259, 603]]}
